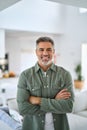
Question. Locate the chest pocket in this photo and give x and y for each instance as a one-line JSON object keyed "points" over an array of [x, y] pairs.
{"points": [[34, 89], [55, 88]]}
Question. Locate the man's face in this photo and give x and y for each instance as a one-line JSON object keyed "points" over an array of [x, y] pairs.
{"points": [[45, 52]]}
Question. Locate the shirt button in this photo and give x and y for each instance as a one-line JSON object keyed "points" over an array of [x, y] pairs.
{"points": [[32, 89], [47, 86], [44, 86], [54, 120], [42, 121]]}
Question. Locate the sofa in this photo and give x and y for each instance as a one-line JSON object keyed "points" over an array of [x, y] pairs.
{"points": [[77, 119]]}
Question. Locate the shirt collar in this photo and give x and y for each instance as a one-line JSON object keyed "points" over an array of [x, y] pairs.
{"points": [[52, 67], [37, 67]]}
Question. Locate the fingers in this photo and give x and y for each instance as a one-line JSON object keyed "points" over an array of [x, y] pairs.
{"points": [[64, 90], [63, 94]]}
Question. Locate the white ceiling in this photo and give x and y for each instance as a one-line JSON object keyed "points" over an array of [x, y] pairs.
{"points": [[24, 34], [78, 3], [19, 34], [12, 33], [6, 3]]}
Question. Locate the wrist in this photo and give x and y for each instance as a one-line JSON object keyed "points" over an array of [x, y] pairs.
{"points": [[39, 100]]}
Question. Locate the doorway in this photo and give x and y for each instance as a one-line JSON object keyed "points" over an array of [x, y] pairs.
{"points": [[84, 63]]}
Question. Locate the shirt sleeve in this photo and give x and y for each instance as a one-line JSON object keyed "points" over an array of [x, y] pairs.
{"points": [[22, 99], [60, 106]]}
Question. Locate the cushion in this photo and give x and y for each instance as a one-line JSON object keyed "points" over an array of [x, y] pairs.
{"points": [[80, 103], [9, 121], [1, 101], [77, 122], [15, 115], [4, 126], [82, 113], [12, 104], [6, 109]]}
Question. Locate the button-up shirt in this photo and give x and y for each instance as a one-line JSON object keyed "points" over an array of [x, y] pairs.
{"points": [[34, 82]]}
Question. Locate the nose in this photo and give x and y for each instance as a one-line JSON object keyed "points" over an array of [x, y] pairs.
{"points": [[45, 52]]}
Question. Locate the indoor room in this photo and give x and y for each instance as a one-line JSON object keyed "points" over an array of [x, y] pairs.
{"points": [[21, 23]]}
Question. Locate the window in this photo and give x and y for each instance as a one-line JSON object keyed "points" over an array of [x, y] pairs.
{"points": [[82, 10], [84, 63]]}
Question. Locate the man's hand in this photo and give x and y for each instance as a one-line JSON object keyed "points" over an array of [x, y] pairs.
{"points": [[34, 100], [63, 94]]}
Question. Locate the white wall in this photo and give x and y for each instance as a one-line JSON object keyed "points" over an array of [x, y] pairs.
{"points": [[33, 15], [71, 42], [2, 43], [15, 47], [45, 16]]}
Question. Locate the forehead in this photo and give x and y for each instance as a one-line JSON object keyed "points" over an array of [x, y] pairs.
{"points": [[45, 45]]}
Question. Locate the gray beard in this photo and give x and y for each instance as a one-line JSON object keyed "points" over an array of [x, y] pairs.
{"points": [[46, 64]]}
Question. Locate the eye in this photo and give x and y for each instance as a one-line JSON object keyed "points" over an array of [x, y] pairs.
{"points": [[49, 50], [41, 49]]}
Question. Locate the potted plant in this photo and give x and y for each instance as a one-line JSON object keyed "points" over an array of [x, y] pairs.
{"points": [[79, 82]]}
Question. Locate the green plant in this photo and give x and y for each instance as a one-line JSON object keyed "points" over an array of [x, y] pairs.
{"points": [[78, 71]]}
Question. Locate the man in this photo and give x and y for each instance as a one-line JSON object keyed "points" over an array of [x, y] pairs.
{"points": [[45, 91]]}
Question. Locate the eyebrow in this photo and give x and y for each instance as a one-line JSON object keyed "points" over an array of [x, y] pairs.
{"points": [[46, 48]]}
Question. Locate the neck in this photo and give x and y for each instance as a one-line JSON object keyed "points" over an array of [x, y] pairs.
{"points": [[44, 67]]}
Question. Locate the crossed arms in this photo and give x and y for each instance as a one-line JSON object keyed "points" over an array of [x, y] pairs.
{"points": [[61, 103], [63, 94]]}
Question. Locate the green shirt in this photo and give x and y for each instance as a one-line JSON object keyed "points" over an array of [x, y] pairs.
{"points": [[34, 82]]}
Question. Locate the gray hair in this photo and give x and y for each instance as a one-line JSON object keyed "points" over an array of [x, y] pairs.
{"points": [[44, 39]]}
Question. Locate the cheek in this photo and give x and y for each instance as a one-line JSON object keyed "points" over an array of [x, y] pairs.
{"points": [[39, 55], [51, 55]]}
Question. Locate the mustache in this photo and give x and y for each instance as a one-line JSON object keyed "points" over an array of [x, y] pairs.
{"points": [[46, 56]]}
